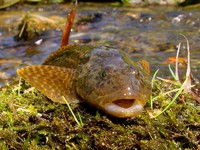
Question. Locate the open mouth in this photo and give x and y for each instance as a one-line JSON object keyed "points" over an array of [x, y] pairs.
{"points": [[125, 103], [124, 108]]}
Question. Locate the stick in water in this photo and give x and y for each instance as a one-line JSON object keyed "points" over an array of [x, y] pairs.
{"points": [[68, 26]]}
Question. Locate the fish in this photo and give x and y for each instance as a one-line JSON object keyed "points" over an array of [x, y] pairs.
{"points": [[102, 76]]}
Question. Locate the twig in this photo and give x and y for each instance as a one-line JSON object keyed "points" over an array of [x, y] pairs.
{"points": [[68, 26]]}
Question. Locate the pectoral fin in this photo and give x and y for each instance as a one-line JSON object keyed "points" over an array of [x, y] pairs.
{"points": [[54, 82], [145, 65]]}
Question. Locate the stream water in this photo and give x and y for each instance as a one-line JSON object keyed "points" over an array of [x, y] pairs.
{"points": [[150, 33]]}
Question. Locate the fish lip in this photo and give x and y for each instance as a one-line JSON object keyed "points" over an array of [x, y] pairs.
{"points": [[120, 112], [113, 109]]}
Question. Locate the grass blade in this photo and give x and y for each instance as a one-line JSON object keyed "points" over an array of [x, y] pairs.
{"points": [[152, 83], [79, 124], [174, 98], [172, 73]]}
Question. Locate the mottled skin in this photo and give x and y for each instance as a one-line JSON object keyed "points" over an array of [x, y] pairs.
{"points": [[101, 76]]}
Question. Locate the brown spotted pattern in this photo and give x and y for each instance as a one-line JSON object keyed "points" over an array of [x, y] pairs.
{"points": [[52, 81]]}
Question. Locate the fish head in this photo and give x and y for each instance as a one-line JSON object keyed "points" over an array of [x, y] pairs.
{"points": [[113, 83]]}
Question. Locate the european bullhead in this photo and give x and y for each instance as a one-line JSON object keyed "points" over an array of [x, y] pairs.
{"points": [[102, 76]]}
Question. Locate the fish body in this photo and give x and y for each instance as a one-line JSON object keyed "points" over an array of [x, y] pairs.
{"points": [[102, 76]]}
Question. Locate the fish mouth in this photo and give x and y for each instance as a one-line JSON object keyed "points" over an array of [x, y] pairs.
{"points": [[124, 103], [124, 108]]}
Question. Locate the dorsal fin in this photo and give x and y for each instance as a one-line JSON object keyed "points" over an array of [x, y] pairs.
{"points": [[54, 82], [69, 56], [59, 51]]}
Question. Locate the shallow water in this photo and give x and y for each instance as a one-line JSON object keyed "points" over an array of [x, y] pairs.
{"points": [[151, 33]]}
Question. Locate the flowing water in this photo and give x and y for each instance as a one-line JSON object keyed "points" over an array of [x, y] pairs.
{"points": [[150, 33]]}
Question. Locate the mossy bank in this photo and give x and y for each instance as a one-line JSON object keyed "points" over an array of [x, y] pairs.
{"points": [[28, 120]]}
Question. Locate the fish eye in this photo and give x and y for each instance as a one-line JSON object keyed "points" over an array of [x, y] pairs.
{"points": [[103, 74]]}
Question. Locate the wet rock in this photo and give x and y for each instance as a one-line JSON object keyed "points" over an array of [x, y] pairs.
{"points": [[33, 25]]}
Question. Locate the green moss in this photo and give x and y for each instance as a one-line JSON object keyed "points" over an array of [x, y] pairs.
{"points": [[28, 120]]}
